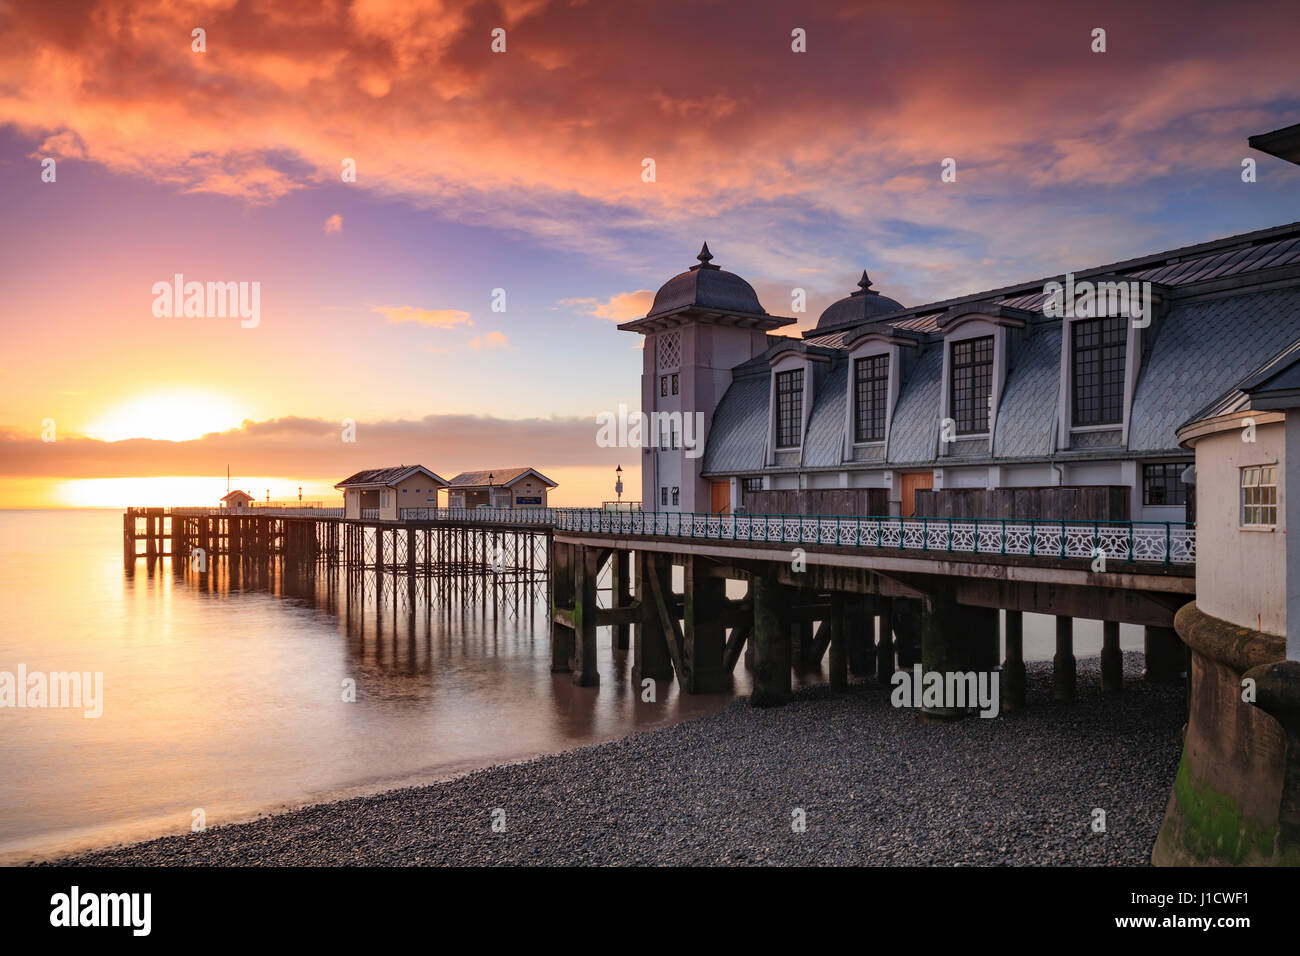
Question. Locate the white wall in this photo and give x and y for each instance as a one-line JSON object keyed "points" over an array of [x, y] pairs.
{"points": [[1240, 575]]}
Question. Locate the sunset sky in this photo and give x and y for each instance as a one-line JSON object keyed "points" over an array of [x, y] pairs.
{"points": [[522, 171]]}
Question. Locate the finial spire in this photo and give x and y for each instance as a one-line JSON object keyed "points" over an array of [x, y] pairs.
{"points": [[704, 258], [865, 283]]}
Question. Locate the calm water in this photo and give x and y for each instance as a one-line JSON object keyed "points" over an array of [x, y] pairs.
{"points": [[230, 700]]}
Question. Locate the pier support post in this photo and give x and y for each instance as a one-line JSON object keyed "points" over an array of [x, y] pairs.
{"points": [[1112, 659], [620, 566], [562, 598], [1063, 665], [885, 647], [1164, 655], [941, 646], [906, 622], [860, 622], [650, 656], [587, 567], [983, 643], [839, 645], [705, 636], [771, 641], [1013, 667], [801, 636]]}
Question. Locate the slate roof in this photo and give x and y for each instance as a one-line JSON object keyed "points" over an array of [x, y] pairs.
{"points": [[1212, 337], [1027, 411], [914, 434], [738, 435], [385, 477], [825, 437], [1206, 348], [501, 477]]}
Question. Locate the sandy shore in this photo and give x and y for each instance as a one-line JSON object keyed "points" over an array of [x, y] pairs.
{"points": [[875, 786]]}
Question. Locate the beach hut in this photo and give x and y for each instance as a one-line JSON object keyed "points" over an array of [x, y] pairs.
{"points": [[500, 488], [383, 492]]}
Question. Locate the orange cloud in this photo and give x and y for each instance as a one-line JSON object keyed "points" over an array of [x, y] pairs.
{"points": [[333, 224], [857, 124], [437, 318], [489, 341], [617, 308]]}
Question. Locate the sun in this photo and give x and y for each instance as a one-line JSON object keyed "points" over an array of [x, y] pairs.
{"points": [[172, 415]]}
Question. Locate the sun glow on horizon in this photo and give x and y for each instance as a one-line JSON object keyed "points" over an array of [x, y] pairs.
{"points": [[171, 491], [173, 415]]}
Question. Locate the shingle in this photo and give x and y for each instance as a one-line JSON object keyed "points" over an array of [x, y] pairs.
{"points": [[914, 434], [825, 438], [1206, 348], [1027, 411], [738, 433]]}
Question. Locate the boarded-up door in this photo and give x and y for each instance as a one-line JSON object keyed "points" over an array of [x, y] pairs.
{"points": [[720, 503], [912, 480]]}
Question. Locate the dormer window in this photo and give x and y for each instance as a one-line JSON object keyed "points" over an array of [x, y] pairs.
{"points": [[870, 398], [1099, 354], [789, 408], [972, 385]]}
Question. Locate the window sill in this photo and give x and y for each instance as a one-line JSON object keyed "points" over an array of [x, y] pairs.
{"points": [[1266, 528], [1096, 428]]}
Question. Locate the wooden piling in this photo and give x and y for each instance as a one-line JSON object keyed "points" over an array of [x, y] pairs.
{"points": [[1013, 667], [772, 682], [587, 567], [650, 653], [1112, 659], [704, 635], [1063, 664]]}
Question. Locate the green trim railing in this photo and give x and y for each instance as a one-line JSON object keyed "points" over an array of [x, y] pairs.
{"points": [[1151, 542]]}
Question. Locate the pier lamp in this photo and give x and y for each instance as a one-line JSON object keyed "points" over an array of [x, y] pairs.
{"points": [[490, 477], [618, 482]]}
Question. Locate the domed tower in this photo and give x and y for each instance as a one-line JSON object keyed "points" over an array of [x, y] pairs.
{"points": [[703, 323], [865, 305]]}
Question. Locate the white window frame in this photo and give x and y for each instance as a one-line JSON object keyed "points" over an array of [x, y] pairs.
{"points": [[1264, 469]]}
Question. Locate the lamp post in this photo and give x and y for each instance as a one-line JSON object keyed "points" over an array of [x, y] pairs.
{"points": [[490, 477], [618, 483]]}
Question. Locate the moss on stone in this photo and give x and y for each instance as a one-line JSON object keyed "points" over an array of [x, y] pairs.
{"points": [[1215, 830]]}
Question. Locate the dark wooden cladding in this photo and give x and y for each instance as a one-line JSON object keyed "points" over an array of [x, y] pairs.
{"points": [[1063, 503], [819, 501]]}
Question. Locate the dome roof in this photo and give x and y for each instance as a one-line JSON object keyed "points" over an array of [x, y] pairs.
{"points": [[861, 306], [707, 287]]}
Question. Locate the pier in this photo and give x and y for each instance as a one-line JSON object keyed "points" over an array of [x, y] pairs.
{"points": [[437, 555], [874, 593]]}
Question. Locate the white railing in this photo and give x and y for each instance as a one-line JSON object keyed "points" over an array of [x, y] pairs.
{"points": [[1157, 542], [492, 515], [287, 512]]}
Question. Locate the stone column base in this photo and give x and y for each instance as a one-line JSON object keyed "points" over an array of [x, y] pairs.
{"points": [[1234, 801]]}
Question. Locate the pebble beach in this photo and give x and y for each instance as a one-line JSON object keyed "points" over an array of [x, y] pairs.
{"points": [[843, 779]]}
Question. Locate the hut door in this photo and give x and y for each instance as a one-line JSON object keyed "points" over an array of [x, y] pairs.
{"points": [[720, 492], [912, 481]]}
